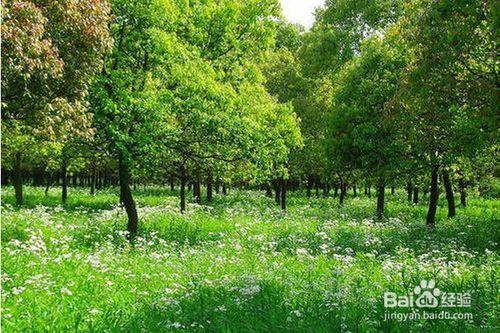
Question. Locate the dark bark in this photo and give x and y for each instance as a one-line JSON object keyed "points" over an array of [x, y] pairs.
{"points": [[325, 190], [127, 198], [434, 197], [393, 189], [463, 193], [277, 191], [210, 194], [172, 184], [415, 195], [369, 191], [354, 190], [335, 190], [48, 182], [380, 198], [224, 189], [409, 191], [343, 192], [197, 190], [449, 194], [93, 180], [183, 192], [64, 179], [283, 183], [18, 179]]}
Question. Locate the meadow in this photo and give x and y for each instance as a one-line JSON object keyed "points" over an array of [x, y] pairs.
{"points": [[238, 264]]}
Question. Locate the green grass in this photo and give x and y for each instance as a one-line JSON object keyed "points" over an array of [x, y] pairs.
{"points": [[238, 265]]}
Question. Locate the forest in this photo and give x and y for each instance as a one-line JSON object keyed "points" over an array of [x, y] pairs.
{"points": [[209, 166]]}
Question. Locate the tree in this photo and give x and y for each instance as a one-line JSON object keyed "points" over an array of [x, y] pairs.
{"points": [[449, 89], [364, 130], [51, 50]]}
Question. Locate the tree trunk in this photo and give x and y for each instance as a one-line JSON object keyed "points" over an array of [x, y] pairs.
{"points": [[409, 191], [393, 189], [197, 189], [64, 178], [48, 180], [343, 190], [434, 197], [369, 191], [18, 179], [354, 190], [283, 194], [224, 189], [463, 194], [183, 192], [127, 199], [380, 198], [172, 184], [415, 195], [277, 191], [449, 194], [325, 190], [93, 179], [210, 194]]}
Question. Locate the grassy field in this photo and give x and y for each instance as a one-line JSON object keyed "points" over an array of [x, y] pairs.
{"points": [[239, 264]]}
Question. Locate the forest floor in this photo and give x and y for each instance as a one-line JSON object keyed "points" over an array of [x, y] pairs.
{"points": [[240, 265]]}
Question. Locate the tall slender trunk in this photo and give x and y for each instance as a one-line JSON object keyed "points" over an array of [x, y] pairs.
{"points": [[325, 190], [393, 189], [354, 190], [415, 195], [283, 194], [172, 184], [277, 191], [48, 180], [380, 198], [369, 191], [463, 194], [93, 179], [64, 179], [449, 194], [224, 189], [343, 190], [18, 178], [210, 194], [197, 189], [126, 196], [433, 200], [409, 190], [183, 191]]}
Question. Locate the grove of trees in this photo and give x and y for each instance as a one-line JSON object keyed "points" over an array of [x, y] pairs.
{"points": [[218, 94]]}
